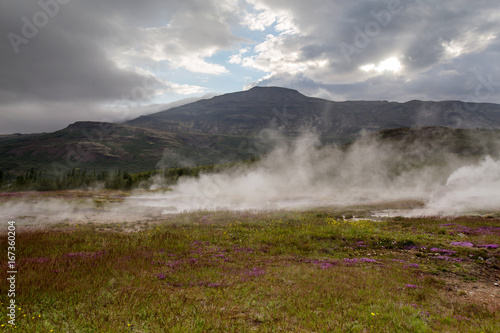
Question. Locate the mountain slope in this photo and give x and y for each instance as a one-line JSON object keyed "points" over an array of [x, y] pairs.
{"points": [[237, 126], [248, 112], [103, 146]]}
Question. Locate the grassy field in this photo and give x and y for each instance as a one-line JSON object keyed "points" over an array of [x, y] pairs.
{"points": [[309, 271]]}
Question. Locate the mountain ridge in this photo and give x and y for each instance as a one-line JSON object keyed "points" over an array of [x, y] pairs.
{"points": [[234, 127], [249, 111]]}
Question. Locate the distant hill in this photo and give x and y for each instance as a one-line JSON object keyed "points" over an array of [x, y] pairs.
{"points": [[245, 113], [106, 146], [241, 125]]}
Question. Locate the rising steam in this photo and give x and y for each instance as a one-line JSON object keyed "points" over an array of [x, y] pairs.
{"points": [[470, 188], [305, 174], [302, 175]]}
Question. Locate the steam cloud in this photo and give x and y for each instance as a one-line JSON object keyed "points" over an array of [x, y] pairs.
{"points": [[470, 188], [304, 174], [301, 175]]}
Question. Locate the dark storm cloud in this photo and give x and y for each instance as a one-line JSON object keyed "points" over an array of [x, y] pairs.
{"points": [[64, 59], [76, 55], [57, 54]]}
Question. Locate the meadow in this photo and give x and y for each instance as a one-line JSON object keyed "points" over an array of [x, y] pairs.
{"points": [[316, 270]]}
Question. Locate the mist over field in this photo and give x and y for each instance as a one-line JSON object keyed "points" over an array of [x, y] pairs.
{"points": [[303, 175]]}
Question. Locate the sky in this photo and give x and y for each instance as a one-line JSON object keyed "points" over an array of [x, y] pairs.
{"points": [[63, 61]]}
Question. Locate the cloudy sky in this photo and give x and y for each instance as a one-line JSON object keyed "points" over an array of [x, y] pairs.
{"points": [[111, 60]]}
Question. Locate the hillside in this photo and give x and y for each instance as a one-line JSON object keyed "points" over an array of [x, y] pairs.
{"points": [[248, 112], [237, 126], [104, 146]]}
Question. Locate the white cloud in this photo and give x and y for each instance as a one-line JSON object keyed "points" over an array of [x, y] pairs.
{"points": [[238, 58], [388, 65], [278, 54], [258, 21]]}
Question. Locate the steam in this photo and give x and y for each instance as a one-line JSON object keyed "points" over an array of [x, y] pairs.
{"points": [[302, 174], [470, 188], [42, 211]]}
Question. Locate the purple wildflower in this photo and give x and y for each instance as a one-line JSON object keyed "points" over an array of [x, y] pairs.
{"points": [[367, 260], [399, 260], [93, 255], [173, 264], [256, 272], [323, 264], [350, 262], [412, 286], [489, 246], [435, 249], [463, 244], [448, 258], [425, 313], [327, 265]]}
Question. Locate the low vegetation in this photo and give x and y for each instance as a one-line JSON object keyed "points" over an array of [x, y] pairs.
{"points": [[307, 271], [34, 180]]}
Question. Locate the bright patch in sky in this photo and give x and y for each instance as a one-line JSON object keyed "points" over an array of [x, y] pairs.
{"points": [[390, 64]]}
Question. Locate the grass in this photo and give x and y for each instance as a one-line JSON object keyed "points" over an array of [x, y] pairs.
{"points": [[267, 272]]}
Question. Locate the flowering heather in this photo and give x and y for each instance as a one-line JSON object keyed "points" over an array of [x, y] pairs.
{"points": [[199, 243], [488, 230], [246, 250], [367, 260], [425, 313], [435, 249], [480, 230], [324, 264], [463, 244], [92, 255], [350, 262], [256, 272], [448, 258], [260, 278], [412, 286], [488, 246]]}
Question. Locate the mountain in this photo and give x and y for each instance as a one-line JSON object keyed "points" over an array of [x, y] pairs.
{"points": [[248, 112], [103, 146], [237, 126]]}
